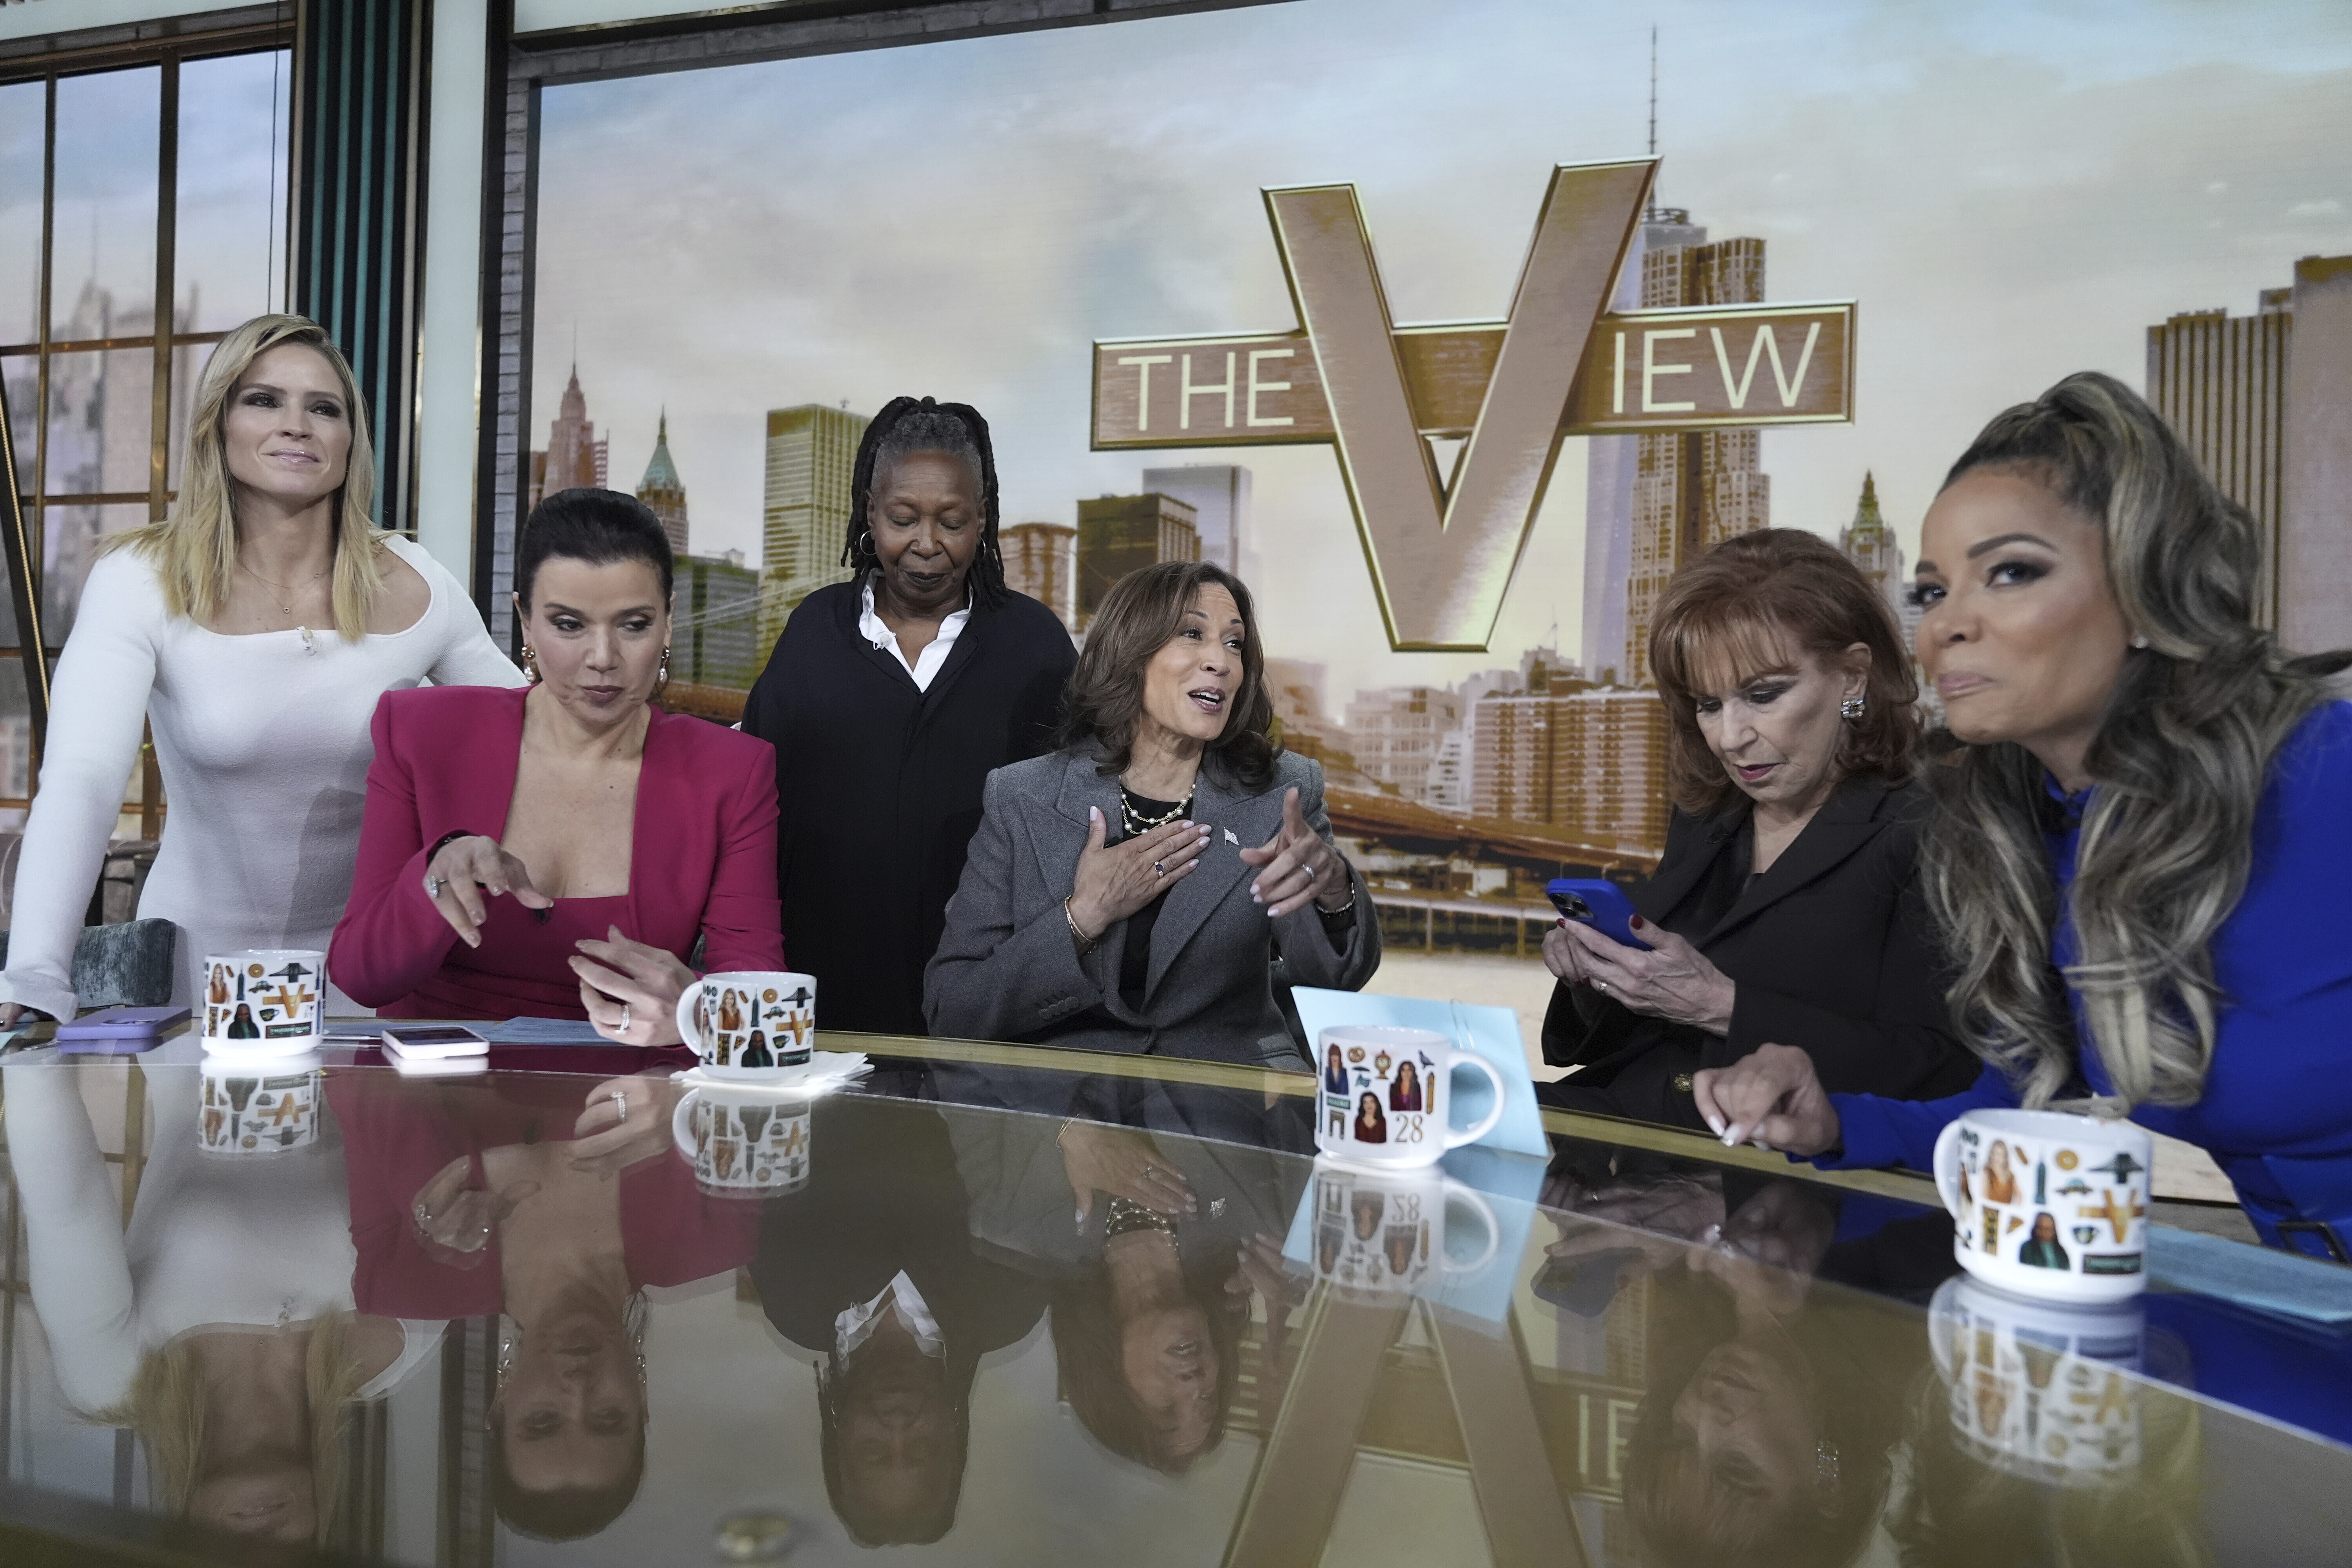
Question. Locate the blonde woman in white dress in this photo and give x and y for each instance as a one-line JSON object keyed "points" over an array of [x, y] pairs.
{"points": [[255, 630]]}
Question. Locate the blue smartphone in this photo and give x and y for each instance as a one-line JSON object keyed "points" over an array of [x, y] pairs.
{"points": [[1602, 905]]}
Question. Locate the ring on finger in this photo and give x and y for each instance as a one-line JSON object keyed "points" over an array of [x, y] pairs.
{"points": [[1159, 867], [624, 1018]]}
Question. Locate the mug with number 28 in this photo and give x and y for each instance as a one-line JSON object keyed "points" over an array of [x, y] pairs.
{"points": [[1383, 1093]]}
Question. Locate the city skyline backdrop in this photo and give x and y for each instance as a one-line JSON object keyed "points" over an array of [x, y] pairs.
{"points": [[1053, 190]]}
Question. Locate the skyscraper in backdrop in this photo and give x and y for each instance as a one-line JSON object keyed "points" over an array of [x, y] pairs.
{"points": [[804, 517], [574, 457], [1691, 490], [1219, 495], [662, 491], [1610, 462], [1040, 559], [1118, 534], [1870, 545]]}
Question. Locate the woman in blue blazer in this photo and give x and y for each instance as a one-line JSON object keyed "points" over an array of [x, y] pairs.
{"points": [[2143, 844]]}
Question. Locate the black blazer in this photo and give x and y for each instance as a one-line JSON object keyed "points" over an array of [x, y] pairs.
{"points": [[1833, 950]]}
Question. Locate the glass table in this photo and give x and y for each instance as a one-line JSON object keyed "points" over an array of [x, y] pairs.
{"points": [[1004, 1305]]}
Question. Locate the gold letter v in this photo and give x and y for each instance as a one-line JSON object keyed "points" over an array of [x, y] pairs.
{"points": [[1441, 561]]}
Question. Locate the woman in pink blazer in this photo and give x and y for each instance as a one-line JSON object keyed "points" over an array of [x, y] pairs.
{"points": [[557, 851]]}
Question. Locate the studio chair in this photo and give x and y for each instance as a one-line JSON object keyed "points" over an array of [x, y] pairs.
{"points": [[127, 965]]}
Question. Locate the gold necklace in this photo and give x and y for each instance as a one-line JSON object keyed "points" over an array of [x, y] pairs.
{"points": [[308, 643], [1137, 824]]}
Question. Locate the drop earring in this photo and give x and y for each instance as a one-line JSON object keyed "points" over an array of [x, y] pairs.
{"points": [[661, 677], [529, 665]]}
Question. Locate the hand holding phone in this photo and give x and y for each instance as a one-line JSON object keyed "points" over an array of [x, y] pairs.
{"points": [[1602, 905]]}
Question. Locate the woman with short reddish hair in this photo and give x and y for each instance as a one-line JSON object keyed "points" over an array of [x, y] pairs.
{"points": [[1788, 905]]}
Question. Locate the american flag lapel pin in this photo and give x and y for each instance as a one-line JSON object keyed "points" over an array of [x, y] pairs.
{"points": [[1232, 837]]}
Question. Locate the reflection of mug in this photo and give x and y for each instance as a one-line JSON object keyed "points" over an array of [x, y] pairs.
{"points": [[1378, 1231], [263, 1002], [744, 1144], [2038, 1389], [749, 1024], [255, 1110], [1380, 1093], [2046, 1204]]}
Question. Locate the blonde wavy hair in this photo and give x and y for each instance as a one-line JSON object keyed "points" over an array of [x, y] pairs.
{"points": [[194, 550], [166, 1407], [2180, 758]]}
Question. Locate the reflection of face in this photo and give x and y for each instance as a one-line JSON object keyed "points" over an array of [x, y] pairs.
{"points": [[2021, 636], [1776, 731], [1171, 1367], [572, 1410], [927, 518], [269, 1495], [1748, 1431], [898, 1431], [597, 632], [286, 429], [1189, 685]]}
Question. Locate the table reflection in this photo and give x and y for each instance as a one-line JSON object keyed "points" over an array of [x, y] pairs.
{"points": [[1006, 1310]]}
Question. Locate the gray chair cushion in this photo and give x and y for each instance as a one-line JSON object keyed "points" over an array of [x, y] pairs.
{"points": [[121, 965]]}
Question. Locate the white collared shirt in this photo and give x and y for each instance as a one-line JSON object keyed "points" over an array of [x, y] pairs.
{"points": [[855, 1326], [928, 663]]}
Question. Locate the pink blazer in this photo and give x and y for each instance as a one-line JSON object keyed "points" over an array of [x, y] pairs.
{"points": [[702, 863]]}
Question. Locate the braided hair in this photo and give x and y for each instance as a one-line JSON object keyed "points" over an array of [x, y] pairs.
{"points": [[910, 425]]}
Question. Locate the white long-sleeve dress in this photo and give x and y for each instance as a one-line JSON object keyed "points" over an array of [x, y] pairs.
{"points": [[264, 745]]}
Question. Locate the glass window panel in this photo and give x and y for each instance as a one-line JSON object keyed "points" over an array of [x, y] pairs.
{"points": [[229, 249], [102, 262], [22, 373], [70, 544], [188, 362], [15, 742], [20, 211], [102, 412]]}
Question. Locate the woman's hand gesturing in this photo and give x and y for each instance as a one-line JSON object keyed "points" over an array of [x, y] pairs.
{"points": [[462, 870], [630, 989], [1115, 882], [1298, 864], [1771, 1097]]}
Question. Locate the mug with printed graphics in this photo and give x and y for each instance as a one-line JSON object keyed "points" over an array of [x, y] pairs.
{"points": [[261, 1109], [2040, 1389], [264, 1002], [744, 1142], [1382, 1094], [2047, 1204], [749, 1024], [1396, 1230]]}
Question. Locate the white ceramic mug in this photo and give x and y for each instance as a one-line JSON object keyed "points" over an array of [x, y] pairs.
{"points": [[1382, 1094], [2038, 1389], [264, 1002], [2046, 1204], [261, 1109], [746, 1143], [749, 1024], [1388, 1231]]}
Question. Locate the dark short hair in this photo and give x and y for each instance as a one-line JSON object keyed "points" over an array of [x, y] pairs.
{"points": [[1740, 606], [598, 527], [1088, 1362], [908, 426], [1104, 699]]}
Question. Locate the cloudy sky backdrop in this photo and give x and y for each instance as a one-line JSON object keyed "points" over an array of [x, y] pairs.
{"points": [[2012, 191]]}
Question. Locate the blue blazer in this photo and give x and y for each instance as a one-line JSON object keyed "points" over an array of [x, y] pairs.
{"points": [[2276, 1113]]}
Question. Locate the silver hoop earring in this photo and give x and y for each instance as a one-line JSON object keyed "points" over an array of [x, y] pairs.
{"points": [[865, 545], [1851, 708]]}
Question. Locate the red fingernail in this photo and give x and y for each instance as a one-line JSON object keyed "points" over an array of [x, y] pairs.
{"points": [[1638, 922]]}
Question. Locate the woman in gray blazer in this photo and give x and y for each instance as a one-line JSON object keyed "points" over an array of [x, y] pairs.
{"points": [[1129, 891]]}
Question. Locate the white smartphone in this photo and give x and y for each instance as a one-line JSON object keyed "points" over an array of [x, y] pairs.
{"points": [[432, 1042]]}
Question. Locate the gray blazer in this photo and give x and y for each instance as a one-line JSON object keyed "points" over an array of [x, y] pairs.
{"points": [[1006, 968]]}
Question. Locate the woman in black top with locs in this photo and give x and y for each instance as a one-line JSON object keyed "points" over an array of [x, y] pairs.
{"points": [[890, 698], [1788, 907]]}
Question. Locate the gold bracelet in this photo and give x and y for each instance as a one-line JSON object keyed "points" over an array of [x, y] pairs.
{"points": [[1085, 943]]}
